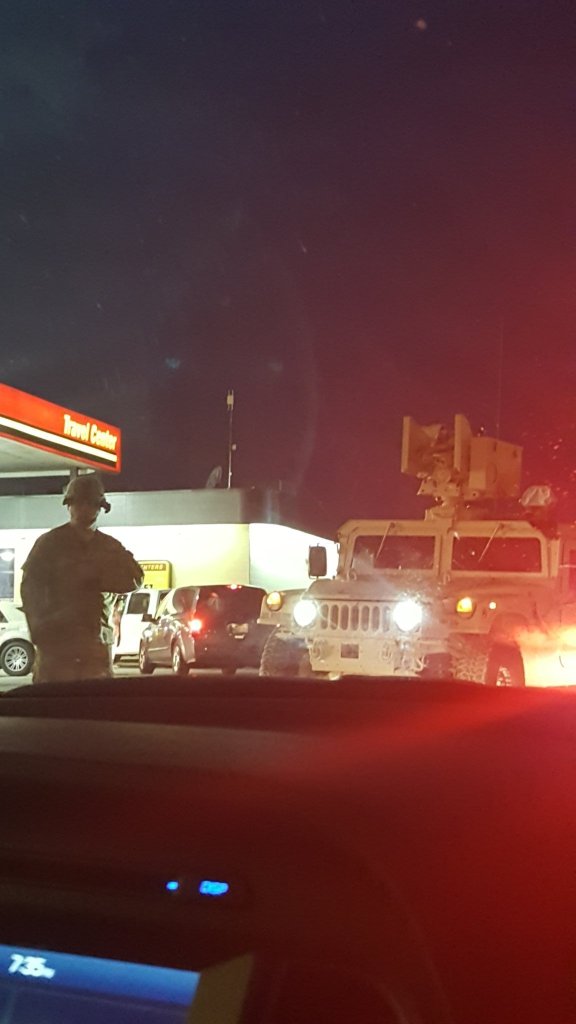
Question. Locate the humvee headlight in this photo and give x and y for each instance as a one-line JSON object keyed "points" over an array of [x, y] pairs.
{"points": [[407, 615], [466, 606], [305, 612], [274, 601]]}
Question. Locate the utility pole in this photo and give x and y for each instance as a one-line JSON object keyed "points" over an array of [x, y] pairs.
{"points": [[231, 444]]}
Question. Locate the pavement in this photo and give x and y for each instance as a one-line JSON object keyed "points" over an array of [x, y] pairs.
{"points": [[125, 669]]}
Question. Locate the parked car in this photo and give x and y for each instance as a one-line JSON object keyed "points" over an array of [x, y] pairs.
{"points": [[128, 617], [205, 627], [16, 647]]}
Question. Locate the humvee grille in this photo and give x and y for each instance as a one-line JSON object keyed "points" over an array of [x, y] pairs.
{"points": [[368, 617]]}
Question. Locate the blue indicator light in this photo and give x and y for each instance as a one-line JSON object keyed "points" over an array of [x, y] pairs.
{"points": [[173, 885], [209, 888]]}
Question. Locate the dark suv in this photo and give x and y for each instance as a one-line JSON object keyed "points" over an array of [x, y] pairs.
{"points": [[205, 627]]}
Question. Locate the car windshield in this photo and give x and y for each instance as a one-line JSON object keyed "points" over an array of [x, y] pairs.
{"points": [[275, 276]]}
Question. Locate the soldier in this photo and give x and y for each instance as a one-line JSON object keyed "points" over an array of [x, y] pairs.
{"points": [[69, 583]]}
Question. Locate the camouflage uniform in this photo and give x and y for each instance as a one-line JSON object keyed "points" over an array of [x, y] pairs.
{"points": [[69, 585]]}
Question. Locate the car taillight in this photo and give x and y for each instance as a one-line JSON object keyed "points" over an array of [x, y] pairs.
{"points": [[195, 625]]}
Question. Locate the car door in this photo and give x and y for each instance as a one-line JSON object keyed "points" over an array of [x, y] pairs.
{"points": [[185, 600], [132, 622], [157, 609], [158, 640]]}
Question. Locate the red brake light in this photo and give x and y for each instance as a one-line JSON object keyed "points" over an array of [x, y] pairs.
{"points": [[195, 625]]}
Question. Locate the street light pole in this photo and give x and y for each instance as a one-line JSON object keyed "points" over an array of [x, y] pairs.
{"points": [[231, 445]]}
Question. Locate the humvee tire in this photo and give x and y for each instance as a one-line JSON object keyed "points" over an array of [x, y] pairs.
{"points": [[480, 660], [284, 655]]}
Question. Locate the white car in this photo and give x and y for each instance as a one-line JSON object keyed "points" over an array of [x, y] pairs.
{"points": [[16, 647], [129, 622]]}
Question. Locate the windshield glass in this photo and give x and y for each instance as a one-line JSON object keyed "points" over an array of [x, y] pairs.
{"points": [[499, 554], [138, 603], [273, 273], [393, 551], [229, 604]]}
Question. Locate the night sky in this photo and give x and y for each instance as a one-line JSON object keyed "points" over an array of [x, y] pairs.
{"points": [[337, 208]]}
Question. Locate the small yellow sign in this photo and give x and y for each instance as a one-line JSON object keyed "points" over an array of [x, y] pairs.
{"points": [[157, 575]]}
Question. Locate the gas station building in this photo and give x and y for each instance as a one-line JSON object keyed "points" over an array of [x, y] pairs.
{"points": [[199, 537]]}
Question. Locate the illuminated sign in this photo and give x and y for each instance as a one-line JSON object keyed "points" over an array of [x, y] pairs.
{"points": [[41, 424], [157, 575]]}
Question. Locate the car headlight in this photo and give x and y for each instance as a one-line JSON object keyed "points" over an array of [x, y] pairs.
{"points": [[305, 612], [407, 615], [274, 601]]}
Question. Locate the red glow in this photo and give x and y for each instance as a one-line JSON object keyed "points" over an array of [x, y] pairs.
{"points": [[549, 657], [195, 625]]}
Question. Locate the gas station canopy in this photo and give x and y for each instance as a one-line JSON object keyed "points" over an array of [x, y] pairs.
{"points": [[39, 438]]}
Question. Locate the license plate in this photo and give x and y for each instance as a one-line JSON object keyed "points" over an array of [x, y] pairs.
{"points": [[238, 630], [349, 651]]}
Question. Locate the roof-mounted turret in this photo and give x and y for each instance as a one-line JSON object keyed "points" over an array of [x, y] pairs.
{"points": [[458, 469]]}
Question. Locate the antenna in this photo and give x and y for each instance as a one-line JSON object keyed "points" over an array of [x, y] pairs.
{"points": [[231, 445]]}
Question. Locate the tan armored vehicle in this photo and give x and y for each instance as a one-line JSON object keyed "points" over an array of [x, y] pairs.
{"points": [[483, 588]]}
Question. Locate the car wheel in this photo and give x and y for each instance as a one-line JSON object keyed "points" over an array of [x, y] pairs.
{"points": [[17, 658], [179, 666], [144, 663]]}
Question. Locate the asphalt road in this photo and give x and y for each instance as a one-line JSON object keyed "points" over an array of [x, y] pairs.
{"points": [[126, 669]]}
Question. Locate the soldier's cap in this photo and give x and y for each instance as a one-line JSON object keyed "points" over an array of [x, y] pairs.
{"points": [[86, 488]]}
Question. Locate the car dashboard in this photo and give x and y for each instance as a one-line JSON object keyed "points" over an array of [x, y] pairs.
{"points": [[287, 852]]}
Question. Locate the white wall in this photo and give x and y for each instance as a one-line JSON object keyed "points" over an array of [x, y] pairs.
{"points": [[210, 553], [21, 541], [279, 556], [263, 554]]}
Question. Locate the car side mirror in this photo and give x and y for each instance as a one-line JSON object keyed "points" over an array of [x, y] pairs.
{"points": [[317, 561]]}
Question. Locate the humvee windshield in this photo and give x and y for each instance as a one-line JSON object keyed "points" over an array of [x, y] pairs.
{"points": [[499, 554], [393, 551]]}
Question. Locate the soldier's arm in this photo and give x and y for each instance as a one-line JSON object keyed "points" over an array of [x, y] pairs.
{"points": [[118, 569]]}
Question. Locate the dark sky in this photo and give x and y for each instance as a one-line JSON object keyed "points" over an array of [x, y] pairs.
{"points": [[333, 207]]}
